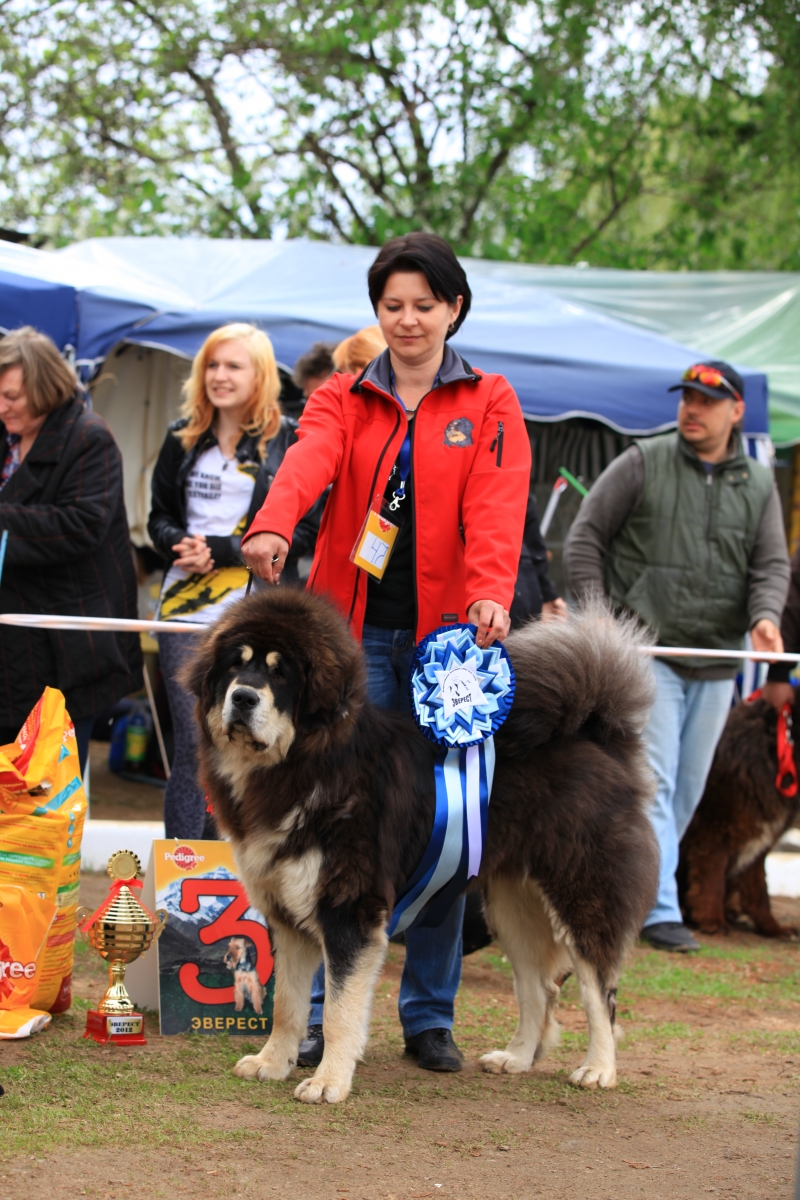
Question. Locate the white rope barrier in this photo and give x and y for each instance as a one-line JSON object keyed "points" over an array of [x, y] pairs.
{"points": [[696, 652], [126, 625], [99, 624]]}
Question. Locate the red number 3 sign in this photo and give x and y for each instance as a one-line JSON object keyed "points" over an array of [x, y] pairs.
{"points": [[230, 923]]}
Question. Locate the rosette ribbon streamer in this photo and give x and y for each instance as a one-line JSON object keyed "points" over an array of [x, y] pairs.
{"points": [[460, 696]]}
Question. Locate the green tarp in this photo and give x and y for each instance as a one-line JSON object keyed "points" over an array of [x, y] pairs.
{"points": [[750, 318]]}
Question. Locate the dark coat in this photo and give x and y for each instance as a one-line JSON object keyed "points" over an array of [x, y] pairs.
{"points": [[68, 552], [533, 587], [167, 522]]}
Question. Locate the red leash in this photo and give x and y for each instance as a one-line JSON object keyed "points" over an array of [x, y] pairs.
{"points": [[786, 779]]}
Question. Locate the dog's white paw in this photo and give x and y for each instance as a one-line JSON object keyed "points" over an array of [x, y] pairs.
{"points": [[247, 1067], [319, 1090], [502, 1062], [253, 1066], [592, 1077]]}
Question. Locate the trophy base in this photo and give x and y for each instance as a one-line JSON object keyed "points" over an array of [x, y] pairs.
{"points": [[122, 1031]]}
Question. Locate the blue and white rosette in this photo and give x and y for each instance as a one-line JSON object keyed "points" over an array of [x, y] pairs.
{"points": [[460, 696]]}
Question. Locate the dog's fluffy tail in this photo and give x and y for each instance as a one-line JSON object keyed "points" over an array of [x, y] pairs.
{"points": [[584, 675]]}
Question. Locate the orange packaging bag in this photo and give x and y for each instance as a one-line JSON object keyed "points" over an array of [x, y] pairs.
{"points": [[42, 812], [25, 921]]}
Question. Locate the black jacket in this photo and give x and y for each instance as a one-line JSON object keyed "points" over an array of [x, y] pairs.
{"points": [[68, 552], [533, 587], [167, 523]]}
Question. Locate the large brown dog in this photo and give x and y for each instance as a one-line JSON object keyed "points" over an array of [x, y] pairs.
{"points": [[329, 804], [740, 818]]}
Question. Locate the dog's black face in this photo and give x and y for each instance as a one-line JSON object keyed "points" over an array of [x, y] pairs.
{"points": [[256, 693]]}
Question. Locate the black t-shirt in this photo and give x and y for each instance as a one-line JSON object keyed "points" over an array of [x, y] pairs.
{"points": [[391, 601]]}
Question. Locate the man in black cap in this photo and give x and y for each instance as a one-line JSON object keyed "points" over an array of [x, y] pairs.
{"points": [[686, 531]]}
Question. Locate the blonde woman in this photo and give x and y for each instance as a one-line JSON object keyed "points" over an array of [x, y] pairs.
{"points": [[213, 474], [358, 351]]}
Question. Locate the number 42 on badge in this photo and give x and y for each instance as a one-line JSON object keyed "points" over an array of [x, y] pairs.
{"points": [[375, 541]]}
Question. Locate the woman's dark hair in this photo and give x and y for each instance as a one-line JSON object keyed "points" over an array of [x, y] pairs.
{"points": [[430, 254]]}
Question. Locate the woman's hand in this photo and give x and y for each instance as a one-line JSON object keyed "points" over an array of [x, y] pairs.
{"points": [[193, 555], [265, 554], [492, 620]]}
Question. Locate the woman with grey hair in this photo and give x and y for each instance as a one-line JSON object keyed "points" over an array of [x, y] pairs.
{"points": [[67, 548]]}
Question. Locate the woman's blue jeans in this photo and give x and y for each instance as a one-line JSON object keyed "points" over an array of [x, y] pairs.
{"points": [[432, 971]]}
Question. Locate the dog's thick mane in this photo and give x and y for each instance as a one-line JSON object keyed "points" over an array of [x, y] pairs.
{"points": [[341, 740], [307, 631]]}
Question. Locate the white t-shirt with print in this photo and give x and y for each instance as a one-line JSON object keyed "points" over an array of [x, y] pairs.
{"points": [[218, 495]]}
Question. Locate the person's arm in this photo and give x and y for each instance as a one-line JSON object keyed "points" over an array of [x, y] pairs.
{"points": [[307, 469], [304, 538], [612, 499], [767, 585], [778, 690], [494, 503], [88, 497], [164, 524], [768, 570]]}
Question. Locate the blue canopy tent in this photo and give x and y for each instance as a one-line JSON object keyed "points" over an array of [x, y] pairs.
{"points": [[564, 360], [85, 309]]}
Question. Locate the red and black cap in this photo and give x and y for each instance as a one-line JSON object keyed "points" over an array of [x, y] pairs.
{"points": [[716, 379]]}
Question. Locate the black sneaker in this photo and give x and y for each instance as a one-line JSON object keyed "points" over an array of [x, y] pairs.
{"points": [[670, 935], [311, 1048], [435, 1050]]}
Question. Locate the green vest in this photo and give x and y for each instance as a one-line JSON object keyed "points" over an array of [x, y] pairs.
{"points": [[681, 559]]}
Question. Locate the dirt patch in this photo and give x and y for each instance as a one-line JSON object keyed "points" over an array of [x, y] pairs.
{"points": [[116, 799], [707, 1102]]}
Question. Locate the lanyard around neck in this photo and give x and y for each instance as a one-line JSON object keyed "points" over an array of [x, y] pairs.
{"points": [[404, 457]]}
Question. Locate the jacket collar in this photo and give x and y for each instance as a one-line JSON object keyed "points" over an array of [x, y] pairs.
{"points": [[49, 444], [736, 454], [454, 369]]}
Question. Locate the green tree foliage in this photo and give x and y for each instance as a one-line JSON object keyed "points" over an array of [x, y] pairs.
{"points": [[621, 134]]}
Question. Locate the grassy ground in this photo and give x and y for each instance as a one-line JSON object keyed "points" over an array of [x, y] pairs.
{"points": [[707, 1102]]}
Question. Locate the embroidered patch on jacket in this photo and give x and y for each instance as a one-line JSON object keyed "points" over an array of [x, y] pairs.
{"points": [[459, 432]]}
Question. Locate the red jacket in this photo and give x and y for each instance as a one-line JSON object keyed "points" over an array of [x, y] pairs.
{"points": [[471, 463]]}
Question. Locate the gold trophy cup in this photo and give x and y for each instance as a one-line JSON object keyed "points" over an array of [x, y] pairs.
{"points": [[120, 930]]}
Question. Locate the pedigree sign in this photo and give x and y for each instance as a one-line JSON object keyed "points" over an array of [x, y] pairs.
{"points": [[214, 958]]}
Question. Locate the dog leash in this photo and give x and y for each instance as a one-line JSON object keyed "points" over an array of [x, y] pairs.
{"points": [[786, 779], [275, 558]]}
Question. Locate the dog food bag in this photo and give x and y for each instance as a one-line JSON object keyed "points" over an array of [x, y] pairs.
{"points": [[25, 922], [42, 812]]}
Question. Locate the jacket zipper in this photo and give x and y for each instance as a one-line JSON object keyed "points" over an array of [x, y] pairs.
{"points": [[709, 513], [414, 502], [414, 528], [498, 442], [371, 494], [414, 523]]}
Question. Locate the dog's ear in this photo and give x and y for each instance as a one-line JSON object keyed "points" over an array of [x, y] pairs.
{"points": [[335, 685], [197, 673]]}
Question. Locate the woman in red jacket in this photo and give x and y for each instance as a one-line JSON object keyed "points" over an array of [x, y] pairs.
{"points": [[441, 450]]}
